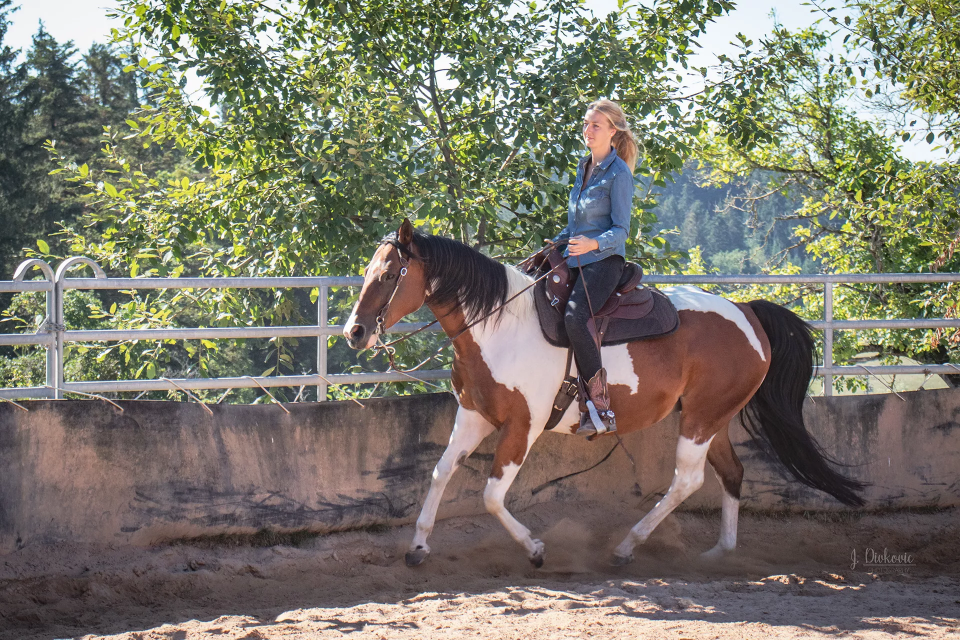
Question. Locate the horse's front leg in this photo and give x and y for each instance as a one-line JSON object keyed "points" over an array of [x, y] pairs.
{"points": [[512, 448], [469, 430]]}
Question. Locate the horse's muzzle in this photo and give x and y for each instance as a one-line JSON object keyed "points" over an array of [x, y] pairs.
{"points": [[358, 336]]}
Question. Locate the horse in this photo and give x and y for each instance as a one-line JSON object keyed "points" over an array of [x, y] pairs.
{"points": [[754, 358]]}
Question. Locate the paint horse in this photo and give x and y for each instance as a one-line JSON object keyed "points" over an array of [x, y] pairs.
{"points": [[754, 358]]}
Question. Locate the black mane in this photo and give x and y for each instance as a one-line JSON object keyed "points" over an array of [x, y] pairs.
{"points": [[458, 274]]}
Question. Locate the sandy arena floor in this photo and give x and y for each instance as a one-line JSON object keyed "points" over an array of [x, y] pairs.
{"points": [[792, 577]]}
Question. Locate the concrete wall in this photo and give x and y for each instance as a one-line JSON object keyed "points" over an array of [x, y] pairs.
{"points": [[84, 471]]}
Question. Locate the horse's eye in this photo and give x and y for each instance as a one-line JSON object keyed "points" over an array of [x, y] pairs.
{"points": [[387, 277]]}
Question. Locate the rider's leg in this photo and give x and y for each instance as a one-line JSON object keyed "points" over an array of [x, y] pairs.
{"points": [[596, 282]]}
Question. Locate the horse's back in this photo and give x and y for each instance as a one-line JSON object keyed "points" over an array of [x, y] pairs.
{"points": [[715, 361]]}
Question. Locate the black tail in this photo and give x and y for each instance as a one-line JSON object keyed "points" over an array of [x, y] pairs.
{"points": [[775, 414]]}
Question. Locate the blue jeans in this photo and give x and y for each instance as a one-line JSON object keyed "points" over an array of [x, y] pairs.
{"points": [[599, 280]]}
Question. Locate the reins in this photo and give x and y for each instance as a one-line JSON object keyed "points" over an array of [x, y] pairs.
{"points": [[388, 348]]}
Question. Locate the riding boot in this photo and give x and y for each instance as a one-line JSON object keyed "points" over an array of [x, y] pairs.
{"points": [[596, 417]]}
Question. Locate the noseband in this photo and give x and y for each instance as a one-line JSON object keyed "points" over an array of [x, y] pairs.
{"points": [[382, 314]]}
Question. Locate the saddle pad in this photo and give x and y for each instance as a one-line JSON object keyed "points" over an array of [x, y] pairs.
{"points": [[663, 319]]}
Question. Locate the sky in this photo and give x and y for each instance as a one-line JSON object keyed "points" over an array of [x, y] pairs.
{"points": [[86, 22]]}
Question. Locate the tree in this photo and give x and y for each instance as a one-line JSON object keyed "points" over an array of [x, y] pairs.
{"points": [[908, 61], [866, 208], [106, 87], [324, 134], [43, 101], [330, 121], [11, 124]]}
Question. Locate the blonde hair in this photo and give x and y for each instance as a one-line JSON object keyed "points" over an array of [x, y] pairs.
{"points": [[623, 140]]}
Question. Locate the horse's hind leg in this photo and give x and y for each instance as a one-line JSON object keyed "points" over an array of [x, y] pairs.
{"points": [[729, 471], [511, 451], [469, 430], [687, 478]]}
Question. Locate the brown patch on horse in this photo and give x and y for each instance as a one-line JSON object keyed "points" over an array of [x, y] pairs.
{"points": [[697, 356], [718, 396], [725, 463], [506, 409]]}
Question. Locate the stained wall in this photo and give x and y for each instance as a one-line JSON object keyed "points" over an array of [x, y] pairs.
{"points": [[85, 471]]}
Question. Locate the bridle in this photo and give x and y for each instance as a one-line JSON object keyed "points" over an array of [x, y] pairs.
{"points": [[382, 314]]}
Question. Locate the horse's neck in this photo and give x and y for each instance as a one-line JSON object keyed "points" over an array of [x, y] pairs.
{"points": [[502, 326]]}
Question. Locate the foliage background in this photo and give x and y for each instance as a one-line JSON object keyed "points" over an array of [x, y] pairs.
{"points": [[327, 122]]}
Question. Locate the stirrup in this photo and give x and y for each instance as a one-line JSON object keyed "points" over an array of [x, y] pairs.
{"points": [[597, 425]]}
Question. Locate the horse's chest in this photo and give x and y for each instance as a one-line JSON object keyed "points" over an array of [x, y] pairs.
{"points": [[477, 390], [500, 384]]}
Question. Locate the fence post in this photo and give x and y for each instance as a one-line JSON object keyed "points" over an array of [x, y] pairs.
{"points": [[66, 265], [49, 323], [322, 321], [827, 338]]}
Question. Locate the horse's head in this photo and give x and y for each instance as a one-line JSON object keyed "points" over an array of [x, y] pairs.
{"points": [[394, 285]]}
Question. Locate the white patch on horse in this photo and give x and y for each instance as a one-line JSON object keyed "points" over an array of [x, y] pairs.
{"points": [[619, 365], [518, 355], [687, 478], [469, 430], [728, 527], [686, 298], [521, 359]]}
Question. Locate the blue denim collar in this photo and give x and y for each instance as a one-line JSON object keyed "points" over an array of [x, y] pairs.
{"points": [[606, 161]]}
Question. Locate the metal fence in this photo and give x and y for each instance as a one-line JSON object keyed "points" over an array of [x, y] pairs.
{"points": [[54, 335]]}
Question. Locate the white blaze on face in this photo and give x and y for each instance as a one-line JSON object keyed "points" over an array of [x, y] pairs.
{"points": [[686, 298], [374, 267], [352, 320]]}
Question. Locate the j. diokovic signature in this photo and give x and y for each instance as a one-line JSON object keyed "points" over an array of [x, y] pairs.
{"points": [[873, 559]]}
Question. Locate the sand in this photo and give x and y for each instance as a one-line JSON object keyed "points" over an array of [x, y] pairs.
{"points": [[791, 577]]}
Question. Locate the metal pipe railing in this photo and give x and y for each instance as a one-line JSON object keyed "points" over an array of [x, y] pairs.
{"points": [[53, 335]]}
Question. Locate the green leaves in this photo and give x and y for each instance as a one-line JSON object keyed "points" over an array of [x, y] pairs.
{"points": [[330, 121], [466, 116], [866, 208]]}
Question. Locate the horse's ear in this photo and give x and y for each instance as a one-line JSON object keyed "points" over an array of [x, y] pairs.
{"points": [[405, 234]]}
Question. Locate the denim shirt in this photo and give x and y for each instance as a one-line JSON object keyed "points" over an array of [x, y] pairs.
{"points": [[601, 209]]}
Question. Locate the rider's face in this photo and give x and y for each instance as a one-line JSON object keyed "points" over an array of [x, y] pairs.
{"points": [[598, 131]]}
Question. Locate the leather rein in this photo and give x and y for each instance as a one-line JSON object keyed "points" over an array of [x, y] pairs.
{"points": [[388, 347]]}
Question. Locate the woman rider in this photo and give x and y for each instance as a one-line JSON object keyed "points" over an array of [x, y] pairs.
{"points": [[598, 222]]}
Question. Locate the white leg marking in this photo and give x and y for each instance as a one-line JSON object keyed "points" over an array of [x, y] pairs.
{"points": [[728, 528], [469, 430], [687, 478], [493, 497], [687, 298]]}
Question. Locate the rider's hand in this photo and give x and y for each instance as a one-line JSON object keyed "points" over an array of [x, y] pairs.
{"points": [[580, 245]]}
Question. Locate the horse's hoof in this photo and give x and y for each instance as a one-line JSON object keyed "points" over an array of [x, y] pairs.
{"points": [[620, 561], [714, 555], [415, 557], [537, 558]]}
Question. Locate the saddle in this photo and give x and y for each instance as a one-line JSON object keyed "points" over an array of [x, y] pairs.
{"points": [[632, 312]]}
